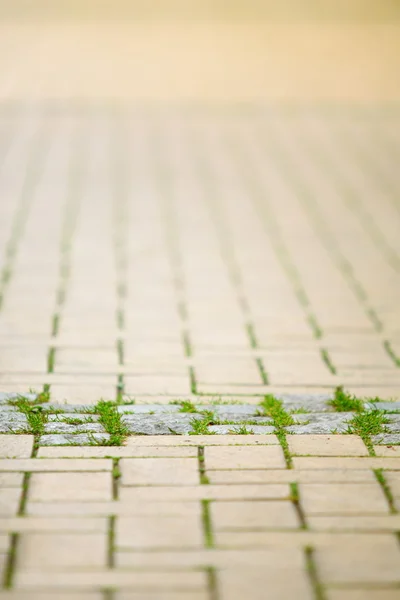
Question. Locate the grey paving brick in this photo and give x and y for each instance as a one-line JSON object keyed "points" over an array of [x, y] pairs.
{"points": [[148, 408], [386, 406], [82, 439], [159, 424], [13, 422], [310, 402], [386, 439], [320, 423], [74, 429]]}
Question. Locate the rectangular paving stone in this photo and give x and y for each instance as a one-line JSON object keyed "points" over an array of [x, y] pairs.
{"points": [[36, 465], [111, 508], [363, 559], [370, 462], [73, 487], [41, 525], [16, 446], [9, 501], [249, 476], [46, 552], [86, 579], [327, 445], [203, 492], [358, 522], [119, 452], [256, 583], [163, 595], [157, 532], [201, 440], [240, 457], [349, 498], [159, 471], [254, 515], [8, 480], [363, 594]]}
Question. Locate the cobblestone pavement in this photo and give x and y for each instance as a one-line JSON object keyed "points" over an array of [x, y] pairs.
{"points": [[201, 518]]}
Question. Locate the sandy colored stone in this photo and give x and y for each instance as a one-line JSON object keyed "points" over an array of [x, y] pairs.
{"points": [[8, 480], [34, 465], [133, 580], [118, 452], [244, 457], [374, 559], [49, 595], [357, 523], [73, 487], [362, 594], [204, 492], [158, 532], [346, 499], [54, 525], [16, 446], [111, 508], [370, 462], [47, 552], [290, 475], [387, 451], [200, 440], [253, 583], [327, 445], [159, 471], [9, 501], [163, 595], [254, 515]]}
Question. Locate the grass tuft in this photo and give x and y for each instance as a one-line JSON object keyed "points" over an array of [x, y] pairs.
{"points": [[111, 420], [344, 402]]}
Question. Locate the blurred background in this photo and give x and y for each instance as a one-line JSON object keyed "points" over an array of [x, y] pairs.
{"points": [[237, 51]]}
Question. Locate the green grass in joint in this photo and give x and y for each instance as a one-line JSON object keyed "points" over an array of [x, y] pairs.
{"points": [[111, 420], [367, 424], [344, 402], [380, 477]]}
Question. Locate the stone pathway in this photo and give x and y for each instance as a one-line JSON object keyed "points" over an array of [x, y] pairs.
{"points": [[205, 518], [199, 292]]}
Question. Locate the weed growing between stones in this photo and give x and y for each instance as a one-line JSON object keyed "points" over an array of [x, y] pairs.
{"points": [[367, 424], [344, 402], [111, 420], [273, 408]]}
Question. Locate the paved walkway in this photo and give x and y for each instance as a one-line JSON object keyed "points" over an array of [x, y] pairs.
{"points": [[199, 292]]}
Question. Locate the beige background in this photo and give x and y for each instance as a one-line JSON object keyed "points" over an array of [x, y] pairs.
{"points": [[207, 52]]}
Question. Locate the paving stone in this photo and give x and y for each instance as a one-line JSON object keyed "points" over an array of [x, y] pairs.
{"points": [[9, 501], [241, 457], [386, 406], [8, 480], [364, 560], [203, 492], [157, 532], [202, 440], [290, 476], [227, 411], [310, 402], [111, 578], [77, 439], [321, 423], [159, 424], [65, 428], [386, 439], [158, 409], [253, 583], [362, 594], [16, 446], [235, 429], [118, 452], [254, 515], [327, 445], [48, 551], [163, 595], [50, 487], [13, 422], [345, 462], [389, 451], [355, 523], [61, 418], [345, 499], [54, 525], [37, 465], [5, 397], [159, 471]]}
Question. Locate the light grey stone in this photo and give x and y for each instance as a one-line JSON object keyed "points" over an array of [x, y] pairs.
{"points": [[386, 406], [148, 408], [56, 427], [82, 439], [5, 397], [63, 417], [386, 439], [310, 402], [256, 429], [13, 422], [159, 424], [320, 423], [226, 411]]}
